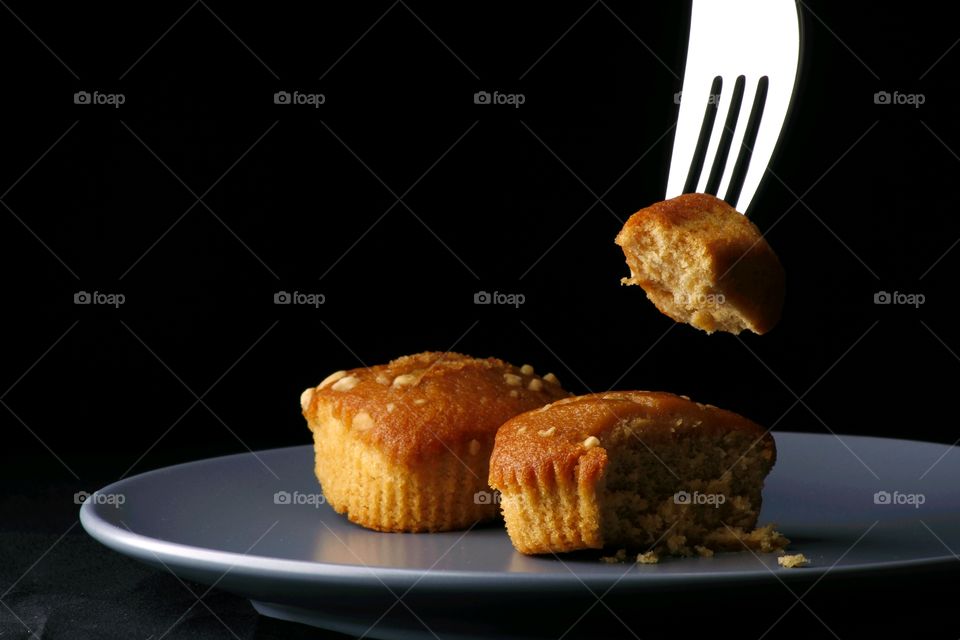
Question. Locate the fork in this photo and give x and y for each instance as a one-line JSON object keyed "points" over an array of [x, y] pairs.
{"points": [[753, 45]]}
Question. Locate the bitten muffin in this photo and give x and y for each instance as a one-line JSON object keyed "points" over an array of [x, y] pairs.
{"points": [[634, 469], [703, 263], [406, 446]]}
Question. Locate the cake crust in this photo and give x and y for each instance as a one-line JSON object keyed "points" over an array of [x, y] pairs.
{"points": [[523, 449]]}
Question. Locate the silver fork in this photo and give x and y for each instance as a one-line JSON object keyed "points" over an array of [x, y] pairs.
{"points": [[743, 61]]}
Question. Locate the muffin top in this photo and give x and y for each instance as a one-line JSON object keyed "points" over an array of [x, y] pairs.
{"points": [[429, 402], [573, 431], [708, 217]]}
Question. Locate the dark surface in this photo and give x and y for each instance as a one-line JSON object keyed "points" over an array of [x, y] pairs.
{"points": [[91, 393]]}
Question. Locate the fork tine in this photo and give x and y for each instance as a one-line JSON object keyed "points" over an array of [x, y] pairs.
{"points": [[706, 129], [724, 42], [746, 147], [726, 137]]}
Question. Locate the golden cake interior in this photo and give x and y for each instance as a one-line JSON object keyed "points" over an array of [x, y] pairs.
{"points": [[678, 271], [683, 490]]}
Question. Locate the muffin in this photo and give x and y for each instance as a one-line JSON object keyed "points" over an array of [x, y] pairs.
{"points": [[634, 469], [406, 446], [703, 263]]}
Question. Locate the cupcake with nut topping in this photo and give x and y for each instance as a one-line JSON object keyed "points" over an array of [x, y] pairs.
{"points": [[406, 446]]}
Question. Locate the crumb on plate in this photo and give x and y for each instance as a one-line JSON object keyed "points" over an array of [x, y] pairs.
{"points": [[793, 561], [619, 556]]}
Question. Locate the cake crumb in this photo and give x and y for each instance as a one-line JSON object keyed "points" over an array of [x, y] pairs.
{"points": [[703, 552], [619, 556], [793, 561], [765, 539], [649, 557]]}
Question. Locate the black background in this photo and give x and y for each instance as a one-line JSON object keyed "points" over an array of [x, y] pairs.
{"points": [[520, 200]]}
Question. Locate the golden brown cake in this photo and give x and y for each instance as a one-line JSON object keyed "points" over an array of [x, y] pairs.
{"points": [[406, 446], [635, 469], [703, 263]]}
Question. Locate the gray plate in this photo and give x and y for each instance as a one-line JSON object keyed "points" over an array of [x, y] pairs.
{"points": [[231, 523]]}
